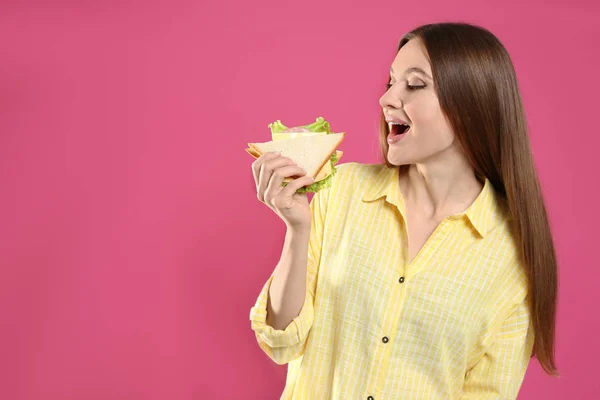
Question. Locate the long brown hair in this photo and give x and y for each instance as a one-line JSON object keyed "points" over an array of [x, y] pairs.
{"points": [[477, 88]]}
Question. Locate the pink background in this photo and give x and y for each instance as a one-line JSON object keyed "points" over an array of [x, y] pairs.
{"points": [[132, 246]]}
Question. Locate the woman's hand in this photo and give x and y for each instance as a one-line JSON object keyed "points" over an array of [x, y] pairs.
{"points": [[293, 208]]}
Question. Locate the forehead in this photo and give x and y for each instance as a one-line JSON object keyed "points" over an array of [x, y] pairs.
{"points": [[411, 55]]}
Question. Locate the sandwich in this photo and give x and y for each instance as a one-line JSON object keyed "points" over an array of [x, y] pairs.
{"points": [[312, 147]]}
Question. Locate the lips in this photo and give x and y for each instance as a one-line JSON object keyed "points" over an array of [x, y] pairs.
{"points": [[397, 132], [396, 125], [389, 118], [397, 128]]}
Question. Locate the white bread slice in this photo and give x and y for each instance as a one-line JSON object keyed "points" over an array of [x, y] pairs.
{"points": [[324, 173], [309, 152], [256, 154]]}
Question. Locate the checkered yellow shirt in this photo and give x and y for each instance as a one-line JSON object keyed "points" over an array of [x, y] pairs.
{"points": [[452, 324]]}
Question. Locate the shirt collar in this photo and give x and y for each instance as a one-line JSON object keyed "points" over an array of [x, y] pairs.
{"points": [[485, 213]]}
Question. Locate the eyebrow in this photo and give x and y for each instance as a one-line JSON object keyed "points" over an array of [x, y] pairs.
{"points": [[413, 69]]}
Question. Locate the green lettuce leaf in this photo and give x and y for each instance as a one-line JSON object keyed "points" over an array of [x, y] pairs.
{"points": [[277, 127], [320, 125]]}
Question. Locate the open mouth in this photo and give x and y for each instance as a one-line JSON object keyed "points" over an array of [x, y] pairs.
{"points": [[398, 129]]}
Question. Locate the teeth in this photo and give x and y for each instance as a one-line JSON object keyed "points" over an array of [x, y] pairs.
{"points": [[396, 123]]}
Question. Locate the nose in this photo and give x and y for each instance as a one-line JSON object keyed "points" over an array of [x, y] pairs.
{"points": [[389, 100]]}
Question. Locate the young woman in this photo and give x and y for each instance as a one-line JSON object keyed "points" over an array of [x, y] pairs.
{"points": [[432, 275]]}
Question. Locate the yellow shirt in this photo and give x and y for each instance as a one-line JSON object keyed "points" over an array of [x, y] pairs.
{"points": [[452, 324]]}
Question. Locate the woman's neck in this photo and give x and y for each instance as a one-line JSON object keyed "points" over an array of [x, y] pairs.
{"points": [[436, 189]]}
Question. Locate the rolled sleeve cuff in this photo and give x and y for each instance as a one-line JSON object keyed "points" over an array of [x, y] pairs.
{"points": [[295, 333]]}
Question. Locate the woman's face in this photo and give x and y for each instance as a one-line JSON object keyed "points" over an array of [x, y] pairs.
{"points": [[411, 97]]}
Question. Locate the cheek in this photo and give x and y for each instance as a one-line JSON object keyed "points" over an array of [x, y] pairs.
{"points": [[427, 114], [423, 110]]}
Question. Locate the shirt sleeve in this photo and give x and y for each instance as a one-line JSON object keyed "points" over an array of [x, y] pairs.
{"points": [[499, 374], [286, 345]]}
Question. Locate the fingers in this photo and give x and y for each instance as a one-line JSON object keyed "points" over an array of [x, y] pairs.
{"points": [[274, 186], [269, 171], [296, 184], [266, 171], [257, 164]]}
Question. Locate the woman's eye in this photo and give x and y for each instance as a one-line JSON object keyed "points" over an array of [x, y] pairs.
{"points": [[409, 87]]}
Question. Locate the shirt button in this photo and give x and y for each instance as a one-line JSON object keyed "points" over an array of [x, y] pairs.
{"points": [[370, 398], [401, 279], [385, 339]]}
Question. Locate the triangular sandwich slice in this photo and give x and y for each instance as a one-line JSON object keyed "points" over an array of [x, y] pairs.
{"points": [[312, 153]]}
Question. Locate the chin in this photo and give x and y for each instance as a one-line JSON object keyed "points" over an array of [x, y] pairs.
{"points": [[399, 158], [399, 161]]}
